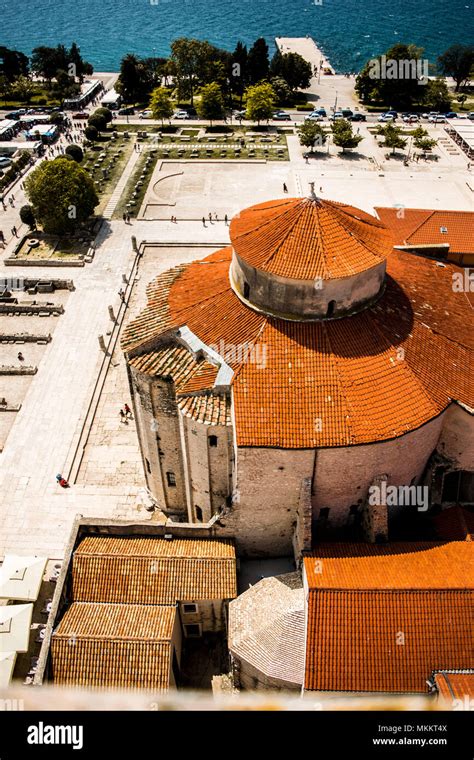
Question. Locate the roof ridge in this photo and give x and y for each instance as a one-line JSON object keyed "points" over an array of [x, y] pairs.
{"points": [[407, 239]]}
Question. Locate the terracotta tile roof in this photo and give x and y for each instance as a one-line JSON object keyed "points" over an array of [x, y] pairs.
{"points": [[365, 598], [303, 239], [113, 646], [423, 226], [455, 685], [209, 409], [177, 363], [369, 377], [154, 319], [455, 524], [144, 570]]}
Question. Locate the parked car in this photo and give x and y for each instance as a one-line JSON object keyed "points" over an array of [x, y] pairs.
{"points": [[281, 116], [313, 117], [386, 117], [410, 118], [126, 111], [321, 111], [451, 115], [4, 162], [146, 114], [392, 113], [181, 115], [357, 117], [337, 115], [437, 119], [471, 115], [80, 115], [347, 112], [238, 114]]}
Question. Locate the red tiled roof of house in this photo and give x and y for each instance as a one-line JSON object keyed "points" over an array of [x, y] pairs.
{"points": [[301, 238], [383, 617], [123, 646], [415, 226], [455, 524], [145, 570], [452, 685], [369, 377]]}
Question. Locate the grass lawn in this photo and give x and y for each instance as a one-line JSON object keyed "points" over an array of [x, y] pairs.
{"points": [[54, 247], [117, 153], [145, 166]]}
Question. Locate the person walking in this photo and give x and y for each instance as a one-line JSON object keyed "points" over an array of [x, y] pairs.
{"points": [[127, 411], [124, 217], [203, 222], [2, 239], [21, 358], [226, 220], [128, 218], [285, 189], [123, 416], [210, 217], [14, 231]]}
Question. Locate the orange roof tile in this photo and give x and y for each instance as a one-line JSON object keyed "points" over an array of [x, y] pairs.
{"points": [[113, 646], [301, 238], [369, 377], [455, 685], [417, 226], [145, 570], [383, 617]]}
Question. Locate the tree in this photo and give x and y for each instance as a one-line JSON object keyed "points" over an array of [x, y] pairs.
{"points": [[62, 195], [261, 101], [187, 56], [98, 121], [461, 100], [239, 73], [12, 64], [135, 81], [457, 62], [293, 68], [311, 135], [46, 61], [91, 133], [27, 217], [425, 143], [258, 64], [282, 90], [436, 95], [23, 88], [393, 78], [105, 114], [392, 137], [211, 105], [77, 66], [76, 152], [160, 104], [343, 135], [65, 86]]}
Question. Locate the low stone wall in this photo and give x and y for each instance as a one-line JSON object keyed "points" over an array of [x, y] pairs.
{"points": [[13, 261], [11, 370]]}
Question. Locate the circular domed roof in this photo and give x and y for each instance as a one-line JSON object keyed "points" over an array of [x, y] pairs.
{"points": [[309, 238]]}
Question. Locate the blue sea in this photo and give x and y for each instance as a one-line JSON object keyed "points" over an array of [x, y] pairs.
{"points": [[348, 31]]}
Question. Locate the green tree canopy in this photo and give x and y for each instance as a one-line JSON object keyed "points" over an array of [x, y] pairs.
{"points": [[282, 90], [105, 113], [98, 121], [457, 62], [12, 64], [27, 216], [436, 95], [312, 135], [160, 104], [91, 133], [343, 135], [392, 136], [261, 101], [76, 152], [211, 105], [135, 81], [239, 72], [394, 77], [258, 63], [62, 195], [293, 68]]}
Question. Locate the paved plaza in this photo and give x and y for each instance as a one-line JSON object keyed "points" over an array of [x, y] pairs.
{"points": [[55, 418]]}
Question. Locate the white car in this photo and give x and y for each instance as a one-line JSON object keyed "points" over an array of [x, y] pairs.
{"points": [[437, 119], [411, 118], [313, 117], [181, 115], [146, 114]]}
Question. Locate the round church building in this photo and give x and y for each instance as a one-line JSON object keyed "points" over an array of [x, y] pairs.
{"points": [[292, 382]]}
